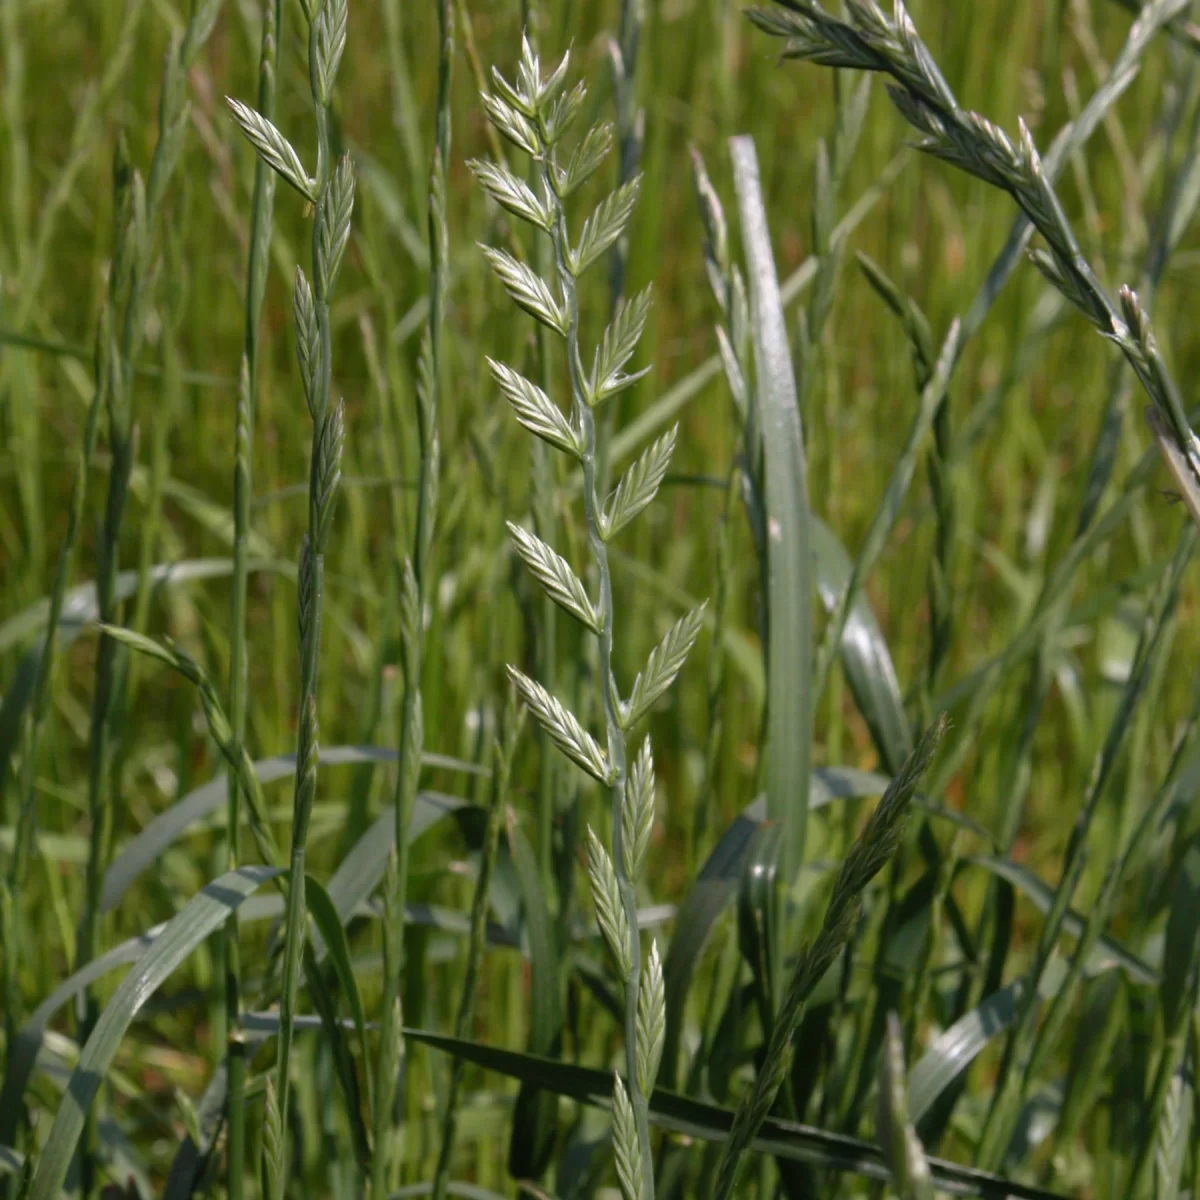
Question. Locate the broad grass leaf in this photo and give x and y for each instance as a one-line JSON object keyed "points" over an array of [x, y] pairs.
{"points": [[716, 887], [333, 933], [79, 609], [789, 548], [355, 879], [953, 1050]]}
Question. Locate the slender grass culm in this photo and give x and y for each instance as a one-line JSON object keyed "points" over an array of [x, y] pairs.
{"points": [[261, 213], [331, 192], [127, 332], [505, 747], [415, 591], [535, 115], [14, 880]]}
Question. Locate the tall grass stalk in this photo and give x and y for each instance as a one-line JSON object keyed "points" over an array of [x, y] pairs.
{"points": [[1028, 1044], [630, 136], [415, 582], [872, 850], [503, 751], [14, 882], [127, 332], [261, 213], [534, 115], [331, 191]]}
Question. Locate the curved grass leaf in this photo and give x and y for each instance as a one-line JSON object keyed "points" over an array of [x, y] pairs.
{"points": [[865, 655], [356, 877], [79, 604], [30, 1040], [197, 920], [717, 885], [23, 1054], [79, 609], [953, 1051], [171, 824], [710, 1123]]}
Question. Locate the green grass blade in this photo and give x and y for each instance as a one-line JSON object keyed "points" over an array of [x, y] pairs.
{"points": [[196, 921], [953, 1051], [174, 823], [709, 1122], [866, 658], [531, 1140], [789, 567], [716, 887], [332, 929], [1041, 893]]}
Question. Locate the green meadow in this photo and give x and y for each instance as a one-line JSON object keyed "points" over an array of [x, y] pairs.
{"points": [[596, 599]]}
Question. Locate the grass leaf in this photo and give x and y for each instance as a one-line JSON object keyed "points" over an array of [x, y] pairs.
{"points": [[196, 921]]}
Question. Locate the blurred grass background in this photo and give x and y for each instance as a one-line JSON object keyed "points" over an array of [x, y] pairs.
{"points": [[705, 76]]}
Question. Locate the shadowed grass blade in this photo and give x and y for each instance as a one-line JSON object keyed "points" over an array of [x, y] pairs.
{"points": [[709, 1122]]}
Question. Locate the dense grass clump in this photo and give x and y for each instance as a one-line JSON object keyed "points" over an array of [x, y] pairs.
{"points": [[649, 481]]}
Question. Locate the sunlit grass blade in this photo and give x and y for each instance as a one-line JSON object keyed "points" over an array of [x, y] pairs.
{"points": [[789, 575]]}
